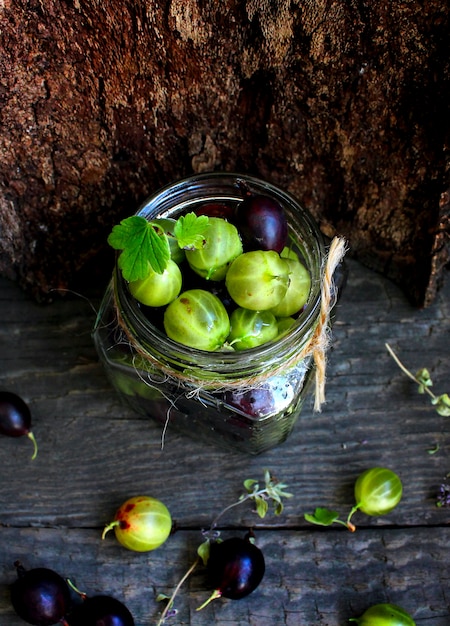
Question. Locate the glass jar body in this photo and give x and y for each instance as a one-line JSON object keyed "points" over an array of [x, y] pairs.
{"points": [[248, 400]]}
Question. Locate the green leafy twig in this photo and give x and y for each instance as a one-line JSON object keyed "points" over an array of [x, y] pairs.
{"points": [[326, 517], [423, 380], [272, 492], [145, 245]]}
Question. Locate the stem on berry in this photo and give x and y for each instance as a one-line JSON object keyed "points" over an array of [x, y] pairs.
{"points": [[215, 594], [33, 439], [82, 594], [348, 523], [109, 527]]}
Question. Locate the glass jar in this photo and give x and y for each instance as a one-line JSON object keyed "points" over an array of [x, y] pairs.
{"points": [[246, 400]]}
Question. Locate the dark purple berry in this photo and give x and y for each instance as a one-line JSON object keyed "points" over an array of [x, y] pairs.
{"points": [[253, 402], [15, 417], [236, 566], [262, 223], [40, 596], [100, 611]]}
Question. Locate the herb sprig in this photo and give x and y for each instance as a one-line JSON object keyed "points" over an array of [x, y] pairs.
{"points": [[424, 382], [145, 245]]}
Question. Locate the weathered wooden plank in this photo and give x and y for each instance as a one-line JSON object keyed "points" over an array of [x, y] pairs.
{"points": [[98, 451], [94, 453], [312, 577]]}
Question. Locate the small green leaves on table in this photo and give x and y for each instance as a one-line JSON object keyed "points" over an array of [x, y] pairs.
{"points": [[424, 382]]}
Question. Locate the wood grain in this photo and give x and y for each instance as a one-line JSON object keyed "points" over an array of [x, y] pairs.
{"points": [[345, 105], [94, 453]]}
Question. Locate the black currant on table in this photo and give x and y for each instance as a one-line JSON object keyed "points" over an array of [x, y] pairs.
{"points": [[40, 596], [15, 418]]}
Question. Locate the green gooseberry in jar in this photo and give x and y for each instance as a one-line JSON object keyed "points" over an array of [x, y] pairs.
{"points": [[141, 524], [158, 289], [258, 280], [284, 324], [221, 246], [289, 253], [297, 292], [251, 328], [384, 615], [378, 490], [197, 319]]}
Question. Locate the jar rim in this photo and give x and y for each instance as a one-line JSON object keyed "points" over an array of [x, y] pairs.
{"points": [[151, 338]]}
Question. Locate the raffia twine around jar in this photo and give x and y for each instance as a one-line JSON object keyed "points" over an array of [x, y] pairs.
{"points": [[316, 346]]}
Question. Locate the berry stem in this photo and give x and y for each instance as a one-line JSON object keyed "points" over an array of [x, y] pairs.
{"points": [[33, 439], [215, 594], [109, 527], [82, 594], [348, 523]]}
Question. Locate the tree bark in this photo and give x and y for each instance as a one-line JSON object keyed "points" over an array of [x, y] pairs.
{"points": [[344, 104]]}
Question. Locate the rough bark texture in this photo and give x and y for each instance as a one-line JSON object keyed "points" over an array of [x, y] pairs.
{"points": [[342, 103]]}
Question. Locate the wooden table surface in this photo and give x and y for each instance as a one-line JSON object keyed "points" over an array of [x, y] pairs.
{"points": [[94, 454]]}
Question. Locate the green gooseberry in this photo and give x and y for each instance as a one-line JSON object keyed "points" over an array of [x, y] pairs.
{"points": [[222, 245], [289, 253], [297, 292], [198, 319], [384, 615], [284, 324], [251, 328], [258, 279], [378, 490], [158, 289], [141, 524]]}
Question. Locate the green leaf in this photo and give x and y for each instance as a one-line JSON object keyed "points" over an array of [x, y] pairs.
{"points": [[279, 507], [322, 517], [190, 230], [262, 506], [144, 247], [442, 404], [203, 551], [278, 492], [433, 450], [162, 596], [424, 379], [251, 485]]}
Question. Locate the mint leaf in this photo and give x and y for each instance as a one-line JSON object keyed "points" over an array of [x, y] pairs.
{"points": [[442, 404], [322, 517], [262, 506], [144, 247], [251, 485], [190, 230]]}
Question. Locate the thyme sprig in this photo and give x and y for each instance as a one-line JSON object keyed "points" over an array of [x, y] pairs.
{"points": [[423, 379]]}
